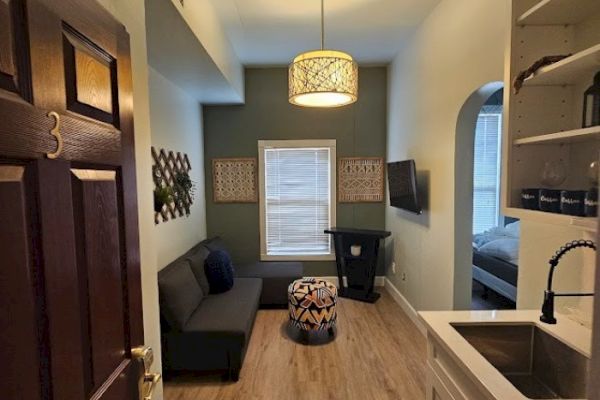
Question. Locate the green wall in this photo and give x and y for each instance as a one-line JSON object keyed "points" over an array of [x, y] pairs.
{"points": [[234, 131]]}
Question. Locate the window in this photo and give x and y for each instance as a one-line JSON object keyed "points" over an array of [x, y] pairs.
{"points": [[297, 199], [486, 177]]}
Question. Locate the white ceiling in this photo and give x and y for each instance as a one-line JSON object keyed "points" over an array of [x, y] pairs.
{"points": [[272, 32]]}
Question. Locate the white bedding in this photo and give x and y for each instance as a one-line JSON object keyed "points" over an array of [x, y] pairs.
{"points": [[500, 242]]}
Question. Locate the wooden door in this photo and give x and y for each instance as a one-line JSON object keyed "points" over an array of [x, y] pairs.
{"points": [[69, 270]]}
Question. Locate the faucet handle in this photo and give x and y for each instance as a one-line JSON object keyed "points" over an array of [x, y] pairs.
{"points": [[548, 308]]}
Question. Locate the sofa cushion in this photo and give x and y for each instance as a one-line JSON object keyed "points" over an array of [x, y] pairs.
{"points": [[214, 244], [270, 269], [219, 271], [276, 277], [230, 314], [196, 257], [180, 293]]}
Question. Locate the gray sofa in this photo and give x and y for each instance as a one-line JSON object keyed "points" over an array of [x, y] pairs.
{"points": [[210, 332]]}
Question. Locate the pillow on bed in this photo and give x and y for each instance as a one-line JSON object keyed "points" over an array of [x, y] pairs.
{"points": [[511, 230], [504, 249]]}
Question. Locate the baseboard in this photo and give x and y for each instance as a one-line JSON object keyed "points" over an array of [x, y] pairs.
{"points": [[379, 280], [405, 305]]}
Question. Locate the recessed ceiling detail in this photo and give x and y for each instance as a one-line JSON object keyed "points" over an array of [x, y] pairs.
{"points": [[272, 32]]}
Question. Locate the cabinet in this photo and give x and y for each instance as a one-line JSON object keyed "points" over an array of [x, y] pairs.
{"points": [[543, 123]]}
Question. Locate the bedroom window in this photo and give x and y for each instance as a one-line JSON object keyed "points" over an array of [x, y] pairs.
{"points": [[486, 179], [297, 198]]}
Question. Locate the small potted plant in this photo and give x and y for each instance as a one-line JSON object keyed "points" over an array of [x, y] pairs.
{"points": [[162, 196], [184, 189]]}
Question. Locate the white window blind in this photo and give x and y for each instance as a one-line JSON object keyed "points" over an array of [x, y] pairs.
{"points": [[297, 201], [486, 177]]}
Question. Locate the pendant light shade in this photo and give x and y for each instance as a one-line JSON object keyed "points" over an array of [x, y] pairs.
{"points": [[323, 78]]}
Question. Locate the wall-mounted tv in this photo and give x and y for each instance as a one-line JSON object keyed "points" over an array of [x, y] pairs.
{"points": [[402, 182]]}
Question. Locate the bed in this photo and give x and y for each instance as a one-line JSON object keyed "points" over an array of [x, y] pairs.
{"points": [[495, 259]]}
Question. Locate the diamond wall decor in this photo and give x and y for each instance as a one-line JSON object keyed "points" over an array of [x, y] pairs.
{"points": [[235, 180]]}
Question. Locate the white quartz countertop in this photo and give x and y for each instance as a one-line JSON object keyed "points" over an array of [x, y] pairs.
{"points": [[488, 378]]}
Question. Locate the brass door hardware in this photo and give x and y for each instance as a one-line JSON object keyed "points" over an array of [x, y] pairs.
{"points": [[56, 133], [149, 384], [149, 380]]}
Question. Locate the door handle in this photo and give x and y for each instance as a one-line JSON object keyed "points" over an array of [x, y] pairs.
{"points": [[148, 380]]}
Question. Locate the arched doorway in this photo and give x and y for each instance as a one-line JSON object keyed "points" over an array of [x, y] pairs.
{"points": [[463, 192]]}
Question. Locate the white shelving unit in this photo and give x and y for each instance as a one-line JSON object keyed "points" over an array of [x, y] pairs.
{"points": [[544, 121], [569, 70], [589, 224], [566, 137], [558, 12]]}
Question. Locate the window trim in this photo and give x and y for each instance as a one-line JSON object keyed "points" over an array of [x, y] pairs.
{"points": [[287, 144]]}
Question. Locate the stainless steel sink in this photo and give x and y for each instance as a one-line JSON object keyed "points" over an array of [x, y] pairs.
{"points": [[537, 364]]}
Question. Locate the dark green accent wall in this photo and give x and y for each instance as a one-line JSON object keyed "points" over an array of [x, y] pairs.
{"points": [[234, 131]]}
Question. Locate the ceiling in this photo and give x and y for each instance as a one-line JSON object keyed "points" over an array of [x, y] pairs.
{"points": [[198, 74], [272, 32]]}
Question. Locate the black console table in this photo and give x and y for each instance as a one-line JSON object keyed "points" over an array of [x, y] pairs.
{"points": [[359, 270]]}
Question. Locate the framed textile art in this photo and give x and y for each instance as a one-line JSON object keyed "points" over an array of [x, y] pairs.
{"points": [[235, 180], [361, 180]]}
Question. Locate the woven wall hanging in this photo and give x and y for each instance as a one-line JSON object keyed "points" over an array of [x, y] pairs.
{"points": [[361, 180], [235, 180]]}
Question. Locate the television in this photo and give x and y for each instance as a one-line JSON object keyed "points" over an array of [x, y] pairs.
{"points": [[402, 182]]}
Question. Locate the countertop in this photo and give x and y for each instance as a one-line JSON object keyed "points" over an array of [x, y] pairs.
{"points": [[488, 378]]}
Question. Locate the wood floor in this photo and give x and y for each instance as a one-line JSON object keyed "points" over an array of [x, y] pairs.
{"points": [[377, 354]]}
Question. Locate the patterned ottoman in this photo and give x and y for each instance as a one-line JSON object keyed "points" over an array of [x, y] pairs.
{"points": [[312, 304]]}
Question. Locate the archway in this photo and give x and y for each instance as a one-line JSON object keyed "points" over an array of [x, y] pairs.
{"points": [[463, 192]]}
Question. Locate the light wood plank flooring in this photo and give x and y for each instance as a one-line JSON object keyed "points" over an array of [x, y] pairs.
{"points": [[378, 354]]}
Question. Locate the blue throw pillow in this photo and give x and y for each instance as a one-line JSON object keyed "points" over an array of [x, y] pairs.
{"points": [[219, 271]]}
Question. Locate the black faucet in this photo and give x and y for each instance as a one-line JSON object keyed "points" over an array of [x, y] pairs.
{"points": [[549, 295]]}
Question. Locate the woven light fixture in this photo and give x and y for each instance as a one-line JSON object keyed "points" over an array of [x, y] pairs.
{"points": [[323, 78]]}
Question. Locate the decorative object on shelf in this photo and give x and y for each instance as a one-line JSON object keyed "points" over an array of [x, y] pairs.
{"points": [[530, 199], [323, 78], [166, 172], [542, 62], [355, 250], [591, 203], [591, 196], [591, 104], [162, 195], [550, 200], [572, 202], [234, 180], [554, 173], [593, 173], [361, 180]]}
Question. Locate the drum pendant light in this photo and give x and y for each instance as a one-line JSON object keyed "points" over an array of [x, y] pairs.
{"points": [[323, 78]]}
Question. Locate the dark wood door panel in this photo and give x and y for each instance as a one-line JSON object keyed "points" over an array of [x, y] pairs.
{"points": [[90, 77], [62, 307], [14, 60], [25, 133], [79, 55], [72, 220], [96, 216], [90, 18], [122, 384], [20, 365]]}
